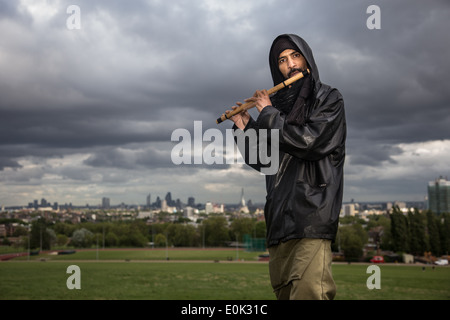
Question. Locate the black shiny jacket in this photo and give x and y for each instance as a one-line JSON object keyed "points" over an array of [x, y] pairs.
{"points": [[304, 197]]}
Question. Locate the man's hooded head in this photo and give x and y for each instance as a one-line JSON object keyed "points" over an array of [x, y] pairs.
{"points": [[293, 101], [291, 41], [279, 46]]}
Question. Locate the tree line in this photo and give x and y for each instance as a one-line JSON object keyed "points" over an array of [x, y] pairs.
{"points": [[214, 231], [419, 232], [414, 232]]}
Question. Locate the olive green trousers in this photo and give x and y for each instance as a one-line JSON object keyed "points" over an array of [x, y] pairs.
{"points": [[300, 269]]}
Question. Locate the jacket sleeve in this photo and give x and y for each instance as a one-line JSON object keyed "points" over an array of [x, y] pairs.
{"points": [[324, 132], [249, 149]]}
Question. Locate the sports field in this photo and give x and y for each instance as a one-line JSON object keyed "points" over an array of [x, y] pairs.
{"points": [[196, 275]]}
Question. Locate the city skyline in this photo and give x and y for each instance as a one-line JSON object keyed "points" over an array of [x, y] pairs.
{"points": [[89, 103], [106, 202], [141, 199]]}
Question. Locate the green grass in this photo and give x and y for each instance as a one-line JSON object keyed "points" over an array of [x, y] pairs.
{"points": [[136, 280], [153, 254], [398, 282], [136, 274]]}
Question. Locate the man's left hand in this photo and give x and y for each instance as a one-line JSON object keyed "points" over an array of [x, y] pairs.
{"points": [[261, 99]]}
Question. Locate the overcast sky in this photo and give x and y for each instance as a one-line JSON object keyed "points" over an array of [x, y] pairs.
{"points": [[89, 113]]}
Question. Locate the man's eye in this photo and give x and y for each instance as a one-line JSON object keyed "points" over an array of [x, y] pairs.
{"points": [[281, 61]]}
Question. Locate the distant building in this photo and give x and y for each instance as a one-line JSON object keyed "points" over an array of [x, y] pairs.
{"points": [[145, 214], [169, 199], [105, 203], [219, 208], [188, 212], [439, 195], [158, 202], [209, 208], [348, 210], [242, 198], [191, 202], [243, 207], [149, 203], [164, 205], [400, 204]]}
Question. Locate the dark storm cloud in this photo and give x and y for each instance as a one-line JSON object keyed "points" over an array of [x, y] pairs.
{"points": [[116, 89], [128, 158], [8, 162], [373, 155], [393, 80], [77, 128]]}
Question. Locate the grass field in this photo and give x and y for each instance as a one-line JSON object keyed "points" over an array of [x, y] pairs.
{"points": [[209, 275]]}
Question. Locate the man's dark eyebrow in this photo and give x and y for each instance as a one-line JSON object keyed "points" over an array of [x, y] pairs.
{"points": [[279, 58]]}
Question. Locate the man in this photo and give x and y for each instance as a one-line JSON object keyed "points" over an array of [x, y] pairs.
{"points": [[304, 197]]}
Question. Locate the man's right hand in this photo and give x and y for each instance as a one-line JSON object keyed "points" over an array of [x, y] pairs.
{"points": [[241, 119]]}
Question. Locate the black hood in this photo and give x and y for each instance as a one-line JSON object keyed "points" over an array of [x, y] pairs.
{"points": [[304, 49]]}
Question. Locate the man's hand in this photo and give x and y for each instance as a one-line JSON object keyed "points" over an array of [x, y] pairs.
{"points": [[261, 99], [241, 119]]}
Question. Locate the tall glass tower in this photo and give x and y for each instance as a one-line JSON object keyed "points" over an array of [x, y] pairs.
{"points": [[439, 195]]}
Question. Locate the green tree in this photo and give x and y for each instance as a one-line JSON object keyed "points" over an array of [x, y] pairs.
{"points": [[64, 228], [82, 238], [131, 237], [183, 235], [111, 239], [131, 240], [156, 228], [62, 240], [399, 231], [20, 231], [417, 231], [433, 233], [352, 239], [260, 229], [41, 235], [444, 231], [383, 221], [160, 240], [216, 231], [242, 226]]}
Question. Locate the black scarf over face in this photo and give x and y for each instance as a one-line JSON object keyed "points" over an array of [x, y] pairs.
{"points": [[293, 101]]}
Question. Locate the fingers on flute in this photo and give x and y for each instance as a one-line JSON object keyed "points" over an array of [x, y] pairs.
{"points": [[238, 104], [258, 93], [227, 116]]}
